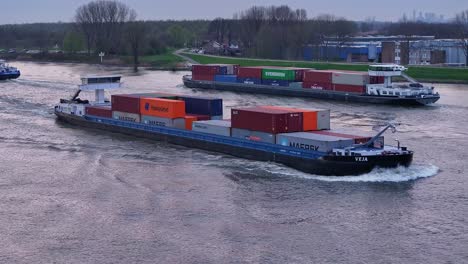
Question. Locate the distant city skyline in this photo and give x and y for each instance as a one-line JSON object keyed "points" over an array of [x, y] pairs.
{"points": [[29, 11]]}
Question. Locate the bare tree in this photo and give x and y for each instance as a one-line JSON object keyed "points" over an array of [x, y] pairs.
{"points": [[461, 21], [102, 23], [136, 36]]}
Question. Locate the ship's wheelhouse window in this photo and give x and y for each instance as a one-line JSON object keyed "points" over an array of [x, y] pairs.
{"points": [[397, 93], [384, 92]]}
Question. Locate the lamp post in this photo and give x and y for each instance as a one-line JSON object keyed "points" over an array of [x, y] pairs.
{"points": [[101, 54]]}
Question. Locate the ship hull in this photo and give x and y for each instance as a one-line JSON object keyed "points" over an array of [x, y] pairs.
{"points": [[318, 163], [9, 76], [309, 93]]}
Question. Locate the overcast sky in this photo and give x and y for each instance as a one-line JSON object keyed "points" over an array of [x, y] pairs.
{"points": [[27, 11]]}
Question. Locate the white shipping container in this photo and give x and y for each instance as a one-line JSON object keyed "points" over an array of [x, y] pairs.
{"points": [[164, 122], [311, 141], [216, 127], [123, 116], [253, 135], [350, 78]]}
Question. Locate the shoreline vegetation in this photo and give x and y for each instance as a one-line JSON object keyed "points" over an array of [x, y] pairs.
{"points": [[174, 61]]}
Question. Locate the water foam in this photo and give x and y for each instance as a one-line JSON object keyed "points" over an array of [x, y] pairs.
{"points": [[400, 174]]}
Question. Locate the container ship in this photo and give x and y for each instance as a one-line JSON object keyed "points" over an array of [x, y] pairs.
{"points": [[374, 86], [298, 138], [8, 72]]}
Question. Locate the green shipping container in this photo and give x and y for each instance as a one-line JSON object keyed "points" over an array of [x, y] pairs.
{"points": [[278, 74]]}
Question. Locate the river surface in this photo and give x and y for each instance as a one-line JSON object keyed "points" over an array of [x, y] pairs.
{"points": [[70, 195]]}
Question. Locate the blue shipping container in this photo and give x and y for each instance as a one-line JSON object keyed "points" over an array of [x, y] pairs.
{"points": [[203, 106], [249, 80], [226, 78], [276, 82], [223, 70]]}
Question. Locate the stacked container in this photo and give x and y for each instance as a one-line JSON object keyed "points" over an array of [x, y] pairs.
{"points": [[196, 105], [352, 82], [266, 120], [318, 80], [126, 107], [249, 75], [216, 127], [99, 111], [205, 72], [312, 141], [359, 137], [312, 119]]}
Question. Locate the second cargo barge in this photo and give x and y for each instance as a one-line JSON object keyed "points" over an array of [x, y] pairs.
{"points": [[383, 92], [340, 161]]}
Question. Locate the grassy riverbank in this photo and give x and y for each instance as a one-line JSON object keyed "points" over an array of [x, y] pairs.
{"points": [[164, 61], [427, 74]]}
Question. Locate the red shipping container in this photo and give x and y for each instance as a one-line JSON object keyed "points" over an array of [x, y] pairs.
{"points": [[317, 85], [318, 76], [200, 117], [200, 77], [205, 69], [250, 72], [101, 111], [266, 120], [126, 103], [349, 88]]}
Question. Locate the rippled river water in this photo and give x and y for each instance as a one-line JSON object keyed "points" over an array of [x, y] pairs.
{"points": [[70, 195]]}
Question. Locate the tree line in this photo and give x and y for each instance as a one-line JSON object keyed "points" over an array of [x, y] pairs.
{"points": [[277, 32]]}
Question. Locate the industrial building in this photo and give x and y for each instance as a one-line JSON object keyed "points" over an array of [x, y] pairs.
{"points": [[414, 50]]}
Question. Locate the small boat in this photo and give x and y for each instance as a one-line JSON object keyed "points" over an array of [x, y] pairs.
{"points": [[8, 72]]}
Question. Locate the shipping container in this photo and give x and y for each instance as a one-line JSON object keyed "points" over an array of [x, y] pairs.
{"points": [[312, 119], [359, 137], [226, 78], [164, 122], [162, 107], [351, 78], [202, 77], [123, 116], [216, 118], [266, 120], [235, 70], [253, 135], [189, 119], [250, 72], [126, 103], [317, 76], [278, 74], [281, 83], [157, 95], [317, 85], [203, 105], [226, 69], [249, 80], [200, 117], [349, 88], [100, 111], [209, 70], [217, 127], [295, 85], [311, 141]]}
